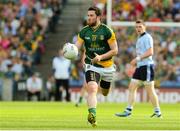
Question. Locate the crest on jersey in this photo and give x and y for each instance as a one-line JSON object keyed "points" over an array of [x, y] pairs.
{"points": [[94, 37]]}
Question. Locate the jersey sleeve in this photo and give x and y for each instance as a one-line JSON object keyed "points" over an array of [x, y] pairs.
{"points": [[80, 37], [149, 42], [111, 38]]}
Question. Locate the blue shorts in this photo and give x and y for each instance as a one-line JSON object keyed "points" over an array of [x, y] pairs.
{"points": [[144, 73]]}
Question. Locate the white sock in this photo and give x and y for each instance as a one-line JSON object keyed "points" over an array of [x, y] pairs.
{"points": [[157, 110], [129, 109]]}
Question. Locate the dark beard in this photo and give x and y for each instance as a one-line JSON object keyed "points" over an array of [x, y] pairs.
{"points": [[93, 24]]}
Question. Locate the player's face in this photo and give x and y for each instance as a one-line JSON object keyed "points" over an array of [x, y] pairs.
{"points": [[140, 28], [92, 18]]}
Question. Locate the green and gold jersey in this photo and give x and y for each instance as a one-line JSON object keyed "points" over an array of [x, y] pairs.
{"points": [[96, 41]]}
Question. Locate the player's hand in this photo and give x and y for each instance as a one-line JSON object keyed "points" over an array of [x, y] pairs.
{"points": [[96, 59], [133, 62], [129, 70]]}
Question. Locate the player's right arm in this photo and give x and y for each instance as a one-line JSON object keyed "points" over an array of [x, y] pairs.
{"points": [[79, 42], [149, 52], [83, 56]]}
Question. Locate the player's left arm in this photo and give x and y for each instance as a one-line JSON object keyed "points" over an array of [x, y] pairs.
{"points": [[113, 50], [148, 53]]}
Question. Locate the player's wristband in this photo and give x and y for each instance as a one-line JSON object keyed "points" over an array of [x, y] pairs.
{"points": [[138, 58]]}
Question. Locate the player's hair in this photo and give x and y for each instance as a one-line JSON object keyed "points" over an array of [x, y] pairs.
{"points": [[140, 22], [96, 9]]}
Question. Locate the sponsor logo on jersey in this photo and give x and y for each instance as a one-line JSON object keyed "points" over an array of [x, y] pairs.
{"points": [[101, 37], [87, 38]]}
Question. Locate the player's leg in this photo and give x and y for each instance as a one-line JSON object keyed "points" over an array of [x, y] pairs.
{"points": [[92, 79], [105, 87], [92, 88], [66, 87], [82, 93], [106, 80], [134, 84], [58, 92], [29, 95], [38, 95], [153, 98], [149, 86]]}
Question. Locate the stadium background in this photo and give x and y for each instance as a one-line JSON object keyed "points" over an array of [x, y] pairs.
{"points": [[29, 39], [32, 32]]}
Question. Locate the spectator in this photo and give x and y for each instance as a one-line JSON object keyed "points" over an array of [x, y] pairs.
{"points": [[34, 86], [17, 66], [55, 6], [50, 86], [61, 68]]}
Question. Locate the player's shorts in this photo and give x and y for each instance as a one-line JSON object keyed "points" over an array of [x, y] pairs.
{"points": [[144, 73], [98, 74]]}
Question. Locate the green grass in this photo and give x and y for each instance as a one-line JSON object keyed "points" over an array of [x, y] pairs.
{"points": [[65, 116]]}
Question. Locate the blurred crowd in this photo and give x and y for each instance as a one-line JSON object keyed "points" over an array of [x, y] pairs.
{"points": [[149, 10], [24, 26]]}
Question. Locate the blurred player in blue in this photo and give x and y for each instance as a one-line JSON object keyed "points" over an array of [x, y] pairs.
{"points": [[144, 73], [82, 94]]}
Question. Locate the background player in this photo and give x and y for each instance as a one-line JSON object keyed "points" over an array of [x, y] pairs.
{"points": [[144, 73]]}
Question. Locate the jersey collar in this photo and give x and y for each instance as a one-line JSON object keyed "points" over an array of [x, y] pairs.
{"points": [[95, 28], [142, 34]]}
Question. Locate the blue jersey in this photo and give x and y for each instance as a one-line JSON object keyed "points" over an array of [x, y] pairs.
{"points": [[143, 43]]}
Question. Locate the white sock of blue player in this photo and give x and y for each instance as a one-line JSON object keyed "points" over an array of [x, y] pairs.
{"points": [[129, 109], [157, 111]]}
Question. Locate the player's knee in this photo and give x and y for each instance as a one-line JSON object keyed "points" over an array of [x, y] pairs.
{"points": [[131, 88], [133, 85], [92, 87], [149, 83]]}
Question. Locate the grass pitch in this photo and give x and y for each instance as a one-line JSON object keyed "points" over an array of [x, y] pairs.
{"points": [[65, 116]]}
